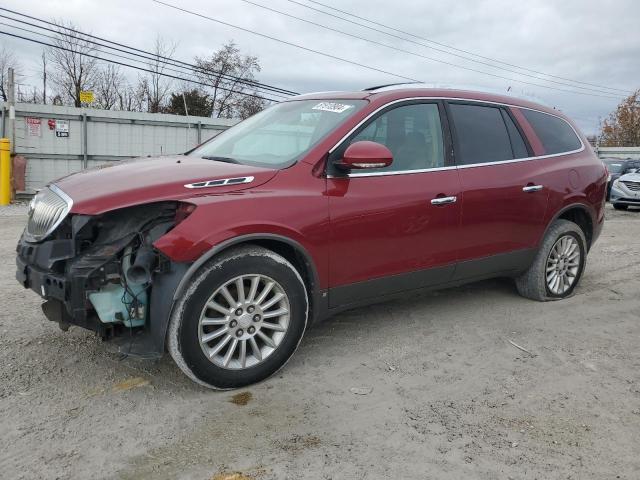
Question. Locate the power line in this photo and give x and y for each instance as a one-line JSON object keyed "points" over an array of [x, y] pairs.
{"points": [[154, 56], [598, 93], [438, 43], [285, 42], [133, 66], [115, 54]]}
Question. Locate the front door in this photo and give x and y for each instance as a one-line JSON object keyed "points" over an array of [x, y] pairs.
{"points": [[394, 229]]}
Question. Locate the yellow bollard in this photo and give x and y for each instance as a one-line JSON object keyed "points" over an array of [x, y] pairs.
{"points": [[5, 171]]}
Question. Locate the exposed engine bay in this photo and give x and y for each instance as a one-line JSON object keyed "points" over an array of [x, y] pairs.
{"points": [[98, 271]]}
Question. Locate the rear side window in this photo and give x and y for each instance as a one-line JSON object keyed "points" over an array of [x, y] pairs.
{"points": [[556, 135], [482, 135]]}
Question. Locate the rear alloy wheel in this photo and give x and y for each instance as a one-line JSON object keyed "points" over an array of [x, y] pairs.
{"points": [[240, 319], [563, 264], [558, 265]]}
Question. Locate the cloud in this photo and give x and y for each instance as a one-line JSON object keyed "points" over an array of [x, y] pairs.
{"points": [[585, 40]]}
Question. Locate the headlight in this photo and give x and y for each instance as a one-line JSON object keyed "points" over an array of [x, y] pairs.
{"points": [[616, 184]]}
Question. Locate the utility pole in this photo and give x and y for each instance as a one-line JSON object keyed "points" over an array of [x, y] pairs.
{"points": [[44, 78], [11, 99]]}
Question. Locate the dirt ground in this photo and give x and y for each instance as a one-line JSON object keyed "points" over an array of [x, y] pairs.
{"points": [[450, 397]]}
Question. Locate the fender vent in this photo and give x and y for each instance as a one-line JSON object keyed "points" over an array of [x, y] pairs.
{"points": [[220, 182]]}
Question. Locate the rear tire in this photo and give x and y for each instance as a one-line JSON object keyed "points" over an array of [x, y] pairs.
{"points": [[620, 206], [558, 265], [225, 332]]}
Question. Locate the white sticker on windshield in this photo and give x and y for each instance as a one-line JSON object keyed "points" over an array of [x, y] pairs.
{"points": [[332, 107]]}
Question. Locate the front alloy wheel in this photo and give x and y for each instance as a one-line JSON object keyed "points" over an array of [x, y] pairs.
{"points": [[244, 321], [240, 318]]}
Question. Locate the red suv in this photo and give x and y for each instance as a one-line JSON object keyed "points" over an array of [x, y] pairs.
{"points": [[318, 204]]}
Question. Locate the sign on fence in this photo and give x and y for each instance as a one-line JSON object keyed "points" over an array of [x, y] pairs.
{"points": [[34, 126], [86, 97], [62, 128]]}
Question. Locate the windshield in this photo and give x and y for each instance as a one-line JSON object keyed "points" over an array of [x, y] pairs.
{"points": [[280, 135], [614, 167]]}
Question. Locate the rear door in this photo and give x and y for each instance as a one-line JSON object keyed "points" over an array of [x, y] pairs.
{"points": [[390, 228], [504, 200]]}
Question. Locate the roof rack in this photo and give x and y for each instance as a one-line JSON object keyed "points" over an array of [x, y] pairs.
{"points": [[439, 86], [377, 87]]}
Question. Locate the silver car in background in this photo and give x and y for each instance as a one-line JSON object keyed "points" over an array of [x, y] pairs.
{"points": [[625, 191]]}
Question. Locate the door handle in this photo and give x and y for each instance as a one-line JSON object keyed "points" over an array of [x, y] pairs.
{"points": [[532, 188], [443, 200]]}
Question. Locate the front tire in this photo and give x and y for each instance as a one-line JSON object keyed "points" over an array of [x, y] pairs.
{"points": [[620, 206], [558, 265], [240, 319]]}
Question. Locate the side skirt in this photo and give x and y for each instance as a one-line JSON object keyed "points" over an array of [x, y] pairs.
{"points": [[379, 290]]}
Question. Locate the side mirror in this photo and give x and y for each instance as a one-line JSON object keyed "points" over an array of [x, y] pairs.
{"points": [[365, 154]]}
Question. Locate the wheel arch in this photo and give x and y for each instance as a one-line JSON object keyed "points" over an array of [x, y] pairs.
{"points": [[290, 249], [581, 215]]}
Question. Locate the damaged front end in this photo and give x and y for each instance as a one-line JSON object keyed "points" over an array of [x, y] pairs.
{"points": [[101, 272]]}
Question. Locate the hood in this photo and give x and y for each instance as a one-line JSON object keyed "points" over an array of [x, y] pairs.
{"points": [[630, 177], [144, 180]]}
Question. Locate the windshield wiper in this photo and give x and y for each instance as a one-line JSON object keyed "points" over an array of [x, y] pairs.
{"points": [[220, 159]]}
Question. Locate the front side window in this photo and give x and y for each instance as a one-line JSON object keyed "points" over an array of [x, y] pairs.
{"points": [[413, 133], [556, 135], [280, 135], [481, 134]]}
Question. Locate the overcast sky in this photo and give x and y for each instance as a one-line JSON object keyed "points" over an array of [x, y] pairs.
{"points": [[587, 40]]}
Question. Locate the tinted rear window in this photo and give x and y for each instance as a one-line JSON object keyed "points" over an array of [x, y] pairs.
{"points": [[481, 134], [517, 142], [556, 135]]}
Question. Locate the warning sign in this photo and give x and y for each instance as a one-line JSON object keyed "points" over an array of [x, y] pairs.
{"points": [[86, 97], [34, 126], [62, 128]]}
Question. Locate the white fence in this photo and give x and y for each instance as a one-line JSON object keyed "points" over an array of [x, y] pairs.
{"points": [[619, 152], [60, 140]]}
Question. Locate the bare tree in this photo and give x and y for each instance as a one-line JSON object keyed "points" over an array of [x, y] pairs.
{"points": [[32, 96], [158, 85], [7, 60], [249, 106], [74, 71], [109, 84], [133, 98], [229, 74]]}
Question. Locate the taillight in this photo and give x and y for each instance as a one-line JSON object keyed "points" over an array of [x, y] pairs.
{"points": [[183, 211]]}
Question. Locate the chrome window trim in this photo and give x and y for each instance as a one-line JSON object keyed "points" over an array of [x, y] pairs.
{"points": [[473, 165], [397, 172]]}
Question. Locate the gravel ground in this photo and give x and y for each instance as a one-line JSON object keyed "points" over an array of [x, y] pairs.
{"points": [[449, 396]]}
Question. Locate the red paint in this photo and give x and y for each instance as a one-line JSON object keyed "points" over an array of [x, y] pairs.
{"points": [[358, 228], [364, 153], [144, 180], [386, 225]]}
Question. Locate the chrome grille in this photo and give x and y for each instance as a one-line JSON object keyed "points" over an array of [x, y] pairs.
{"points": [[46, 210], [635, 186]]}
